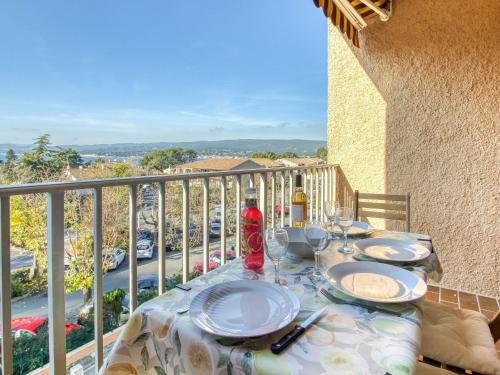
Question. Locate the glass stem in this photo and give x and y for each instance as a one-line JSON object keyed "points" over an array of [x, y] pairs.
{"points": [[276, 272], [316, 262], [345, 239]]}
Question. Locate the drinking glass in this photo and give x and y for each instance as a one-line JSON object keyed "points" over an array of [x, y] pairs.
{"points": [[344, 217], [276, 245], [317, 237], [330, 207]]}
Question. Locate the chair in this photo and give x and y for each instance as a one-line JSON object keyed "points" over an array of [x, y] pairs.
{"points": [[460, 338], [388, 206]]}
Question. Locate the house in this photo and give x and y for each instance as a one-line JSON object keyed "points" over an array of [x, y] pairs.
{"points": [[267, 163], [301, 162], [219, 164]]}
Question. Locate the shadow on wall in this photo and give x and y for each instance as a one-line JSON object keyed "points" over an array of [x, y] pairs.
{"points": [[435, 64], [345, 194]]}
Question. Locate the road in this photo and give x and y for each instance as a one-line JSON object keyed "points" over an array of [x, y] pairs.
{"points": [[38, 304]]}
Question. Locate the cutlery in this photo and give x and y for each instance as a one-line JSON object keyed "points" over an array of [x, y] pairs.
{"points": [[290, 337], [336, 300]]}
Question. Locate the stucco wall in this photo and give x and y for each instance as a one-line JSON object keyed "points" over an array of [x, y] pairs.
{"points": [[417, 108]]}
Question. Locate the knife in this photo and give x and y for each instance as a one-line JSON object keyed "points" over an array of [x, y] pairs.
{"points": [[290, 337]]}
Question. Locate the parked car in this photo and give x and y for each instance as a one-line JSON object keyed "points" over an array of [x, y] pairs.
{"points": [[145, 235], [144, 283], [147, 282], [214, 229], [113, 257], [217, 255], [145, 249], [198, 266], [30, 326]]}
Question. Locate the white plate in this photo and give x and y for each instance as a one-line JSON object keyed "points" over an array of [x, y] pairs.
{"points": [[376, 282], [392, 250], [244, 308], [358, 229]]}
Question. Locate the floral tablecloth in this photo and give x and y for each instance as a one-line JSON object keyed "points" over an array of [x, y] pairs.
{"points": [[346, 340]]}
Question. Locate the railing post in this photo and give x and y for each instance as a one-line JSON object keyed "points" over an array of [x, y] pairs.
{"points": [[161, 238], [5, 306], [290, 195], [323, 194], [316, 175], [273, 199], [238, 215], [223, 194], [132, 246], [282, 210], [55, 246], [185, 230], [263, 199], [98, 303], [311, 195], [328, 195], [251, 180], [334, 183], [206, 233]]}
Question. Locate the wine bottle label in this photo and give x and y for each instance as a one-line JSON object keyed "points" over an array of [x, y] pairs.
{"points": [[297, 212]]}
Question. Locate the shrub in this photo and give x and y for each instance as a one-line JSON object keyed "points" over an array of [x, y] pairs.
{"points": [[19, 282], [30, 353], [146, 295], [112, 308]]}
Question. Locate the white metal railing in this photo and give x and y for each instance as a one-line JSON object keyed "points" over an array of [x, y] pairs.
{"points": [[319, 181]]}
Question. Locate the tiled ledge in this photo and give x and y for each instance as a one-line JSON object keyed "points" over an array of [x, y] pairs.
{"points": [[464, 300]]}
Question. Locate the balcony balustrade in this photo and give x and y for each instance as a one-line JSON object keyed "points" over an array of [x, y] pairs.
{"points": [[320, 185]]}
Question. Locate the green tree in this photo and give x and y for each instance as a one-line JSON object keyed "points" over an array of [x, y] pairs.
{"points": [[162, 159], [274, 155], [122, 170], [37, 165], [10, 157], [8, 166], [41, 145], [43, 163], [29, 228], [67, 157], [322, 153]]}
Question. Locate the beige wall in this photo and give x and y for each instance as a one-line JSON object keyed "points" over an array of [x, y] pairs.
{"points": [[417, 108]]}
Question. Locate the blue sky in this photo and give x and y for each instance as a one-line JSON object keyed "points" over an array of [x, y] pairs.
{"points": [[98, 71]]}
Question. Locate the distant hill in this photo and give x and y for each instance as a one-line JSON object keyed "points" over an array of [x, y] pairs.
{"points": [[242, 147]]}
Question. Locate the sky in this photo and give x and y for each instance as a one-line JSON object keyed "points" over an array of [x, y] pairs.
{"points": [[111, 71]]}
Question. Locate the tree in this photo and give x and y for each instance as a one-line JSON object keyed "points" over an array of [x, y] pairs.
{"points": [[29, 228], [122, 170], [10, 157], [8, 166], [43, 163], [67, 157], [41, 145], [163, 159], [322, 153], [274, 155], [37, 165]]}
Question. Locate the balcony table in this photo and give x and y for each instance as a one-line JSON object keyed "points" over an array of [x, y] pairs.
{"points": [[346, 340]]}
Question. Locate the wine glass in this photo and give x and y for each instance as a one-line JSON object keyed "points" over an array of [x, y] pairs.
{"points": [[317, 237], [344, 217], [330, 207], [276, 245]]}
